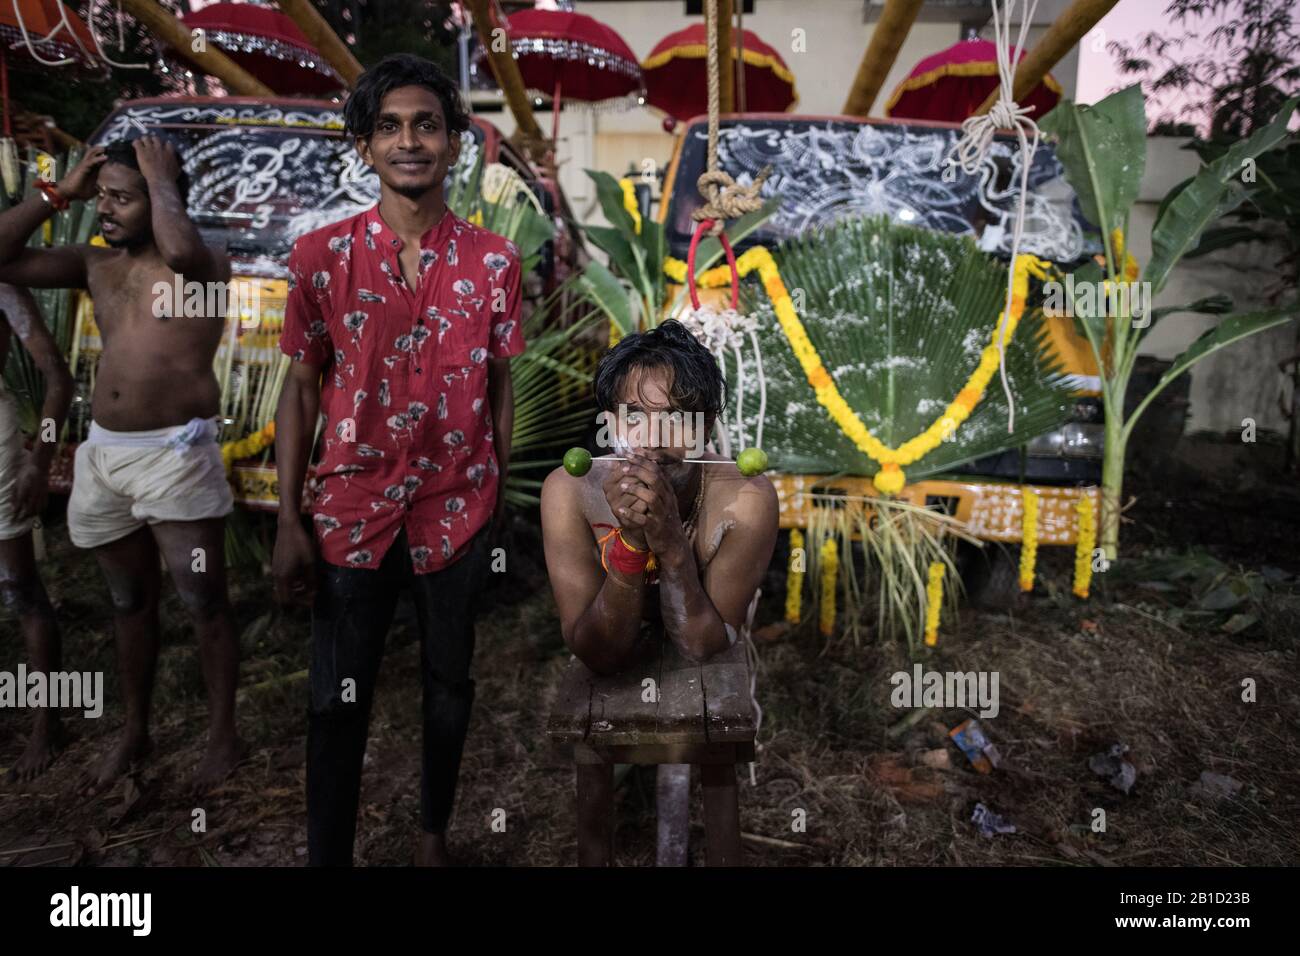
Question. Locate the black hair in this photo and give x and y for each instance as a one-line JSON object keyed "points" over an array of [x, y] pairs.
{"points": [[697, 383], [394, 71], [122, 152]]}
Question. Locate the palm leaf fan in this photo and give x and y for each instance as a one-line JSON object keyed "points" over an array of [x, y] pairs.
{"points": [[899, 316]]}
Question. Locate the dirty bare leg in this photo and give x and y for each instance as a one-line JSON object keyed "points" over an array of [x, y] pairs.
{"points": [[130, 568], [23, 594], [195, 556]]}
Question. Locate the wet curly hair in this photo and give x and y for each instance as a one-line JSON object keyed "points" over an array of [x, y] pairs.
{"points": [[697, 382]]}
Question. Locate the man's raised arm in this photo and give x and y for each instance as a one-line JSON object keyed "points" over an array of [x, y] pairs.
{"points": [[59, 268], [179, 242]]}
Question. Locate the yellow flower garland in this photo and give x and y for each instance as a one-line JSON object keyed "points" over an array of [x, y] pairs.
{"points": [[248, 446], [794, 581], [830, 571], [933, 603], [1029, 539], [629, 202], [890, 478], [1083, 549], [1117, 244]]}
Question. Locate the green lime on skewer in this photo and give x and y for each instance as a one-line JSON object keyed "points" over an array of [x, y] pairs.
{"points": [[752, 461], [577, 462]]}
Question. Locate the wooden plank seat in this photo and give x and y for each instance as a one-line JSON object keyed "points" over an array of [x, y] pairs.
{"points": [[699, 714]]}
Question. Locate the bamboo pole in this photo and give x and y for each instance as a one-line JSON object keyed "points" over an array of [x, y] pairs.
{"points": [[506, 71], [726, 58], [318, 33], [172, 32], [1067, 30], [886, 39]]}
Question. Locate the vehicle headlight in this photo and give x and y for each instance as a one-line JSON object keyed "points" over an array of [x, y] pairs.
{"points": [[1072, 441]]}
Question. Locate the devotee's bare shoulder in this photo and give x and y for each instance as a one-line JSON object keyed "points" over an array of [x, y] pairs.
{"points": [[563, 493]]}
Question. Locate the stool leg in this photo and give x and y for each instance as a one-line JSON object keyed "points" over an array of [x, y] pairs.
{"points": [[673, 809], [721, 814], [595, 814]]}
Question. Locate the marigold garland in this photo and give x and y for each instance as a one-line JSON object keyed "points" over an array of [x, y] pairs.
{"points": [[1028, 539], [794, 581], [830, 566], [890, 479], [933, 603], [629, 202], [1083, 548], [248, 446]]}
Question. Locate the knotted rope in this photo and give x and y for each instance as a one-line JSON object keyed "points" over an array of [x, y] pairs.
{"points": [[723, 198], [977, 134]]}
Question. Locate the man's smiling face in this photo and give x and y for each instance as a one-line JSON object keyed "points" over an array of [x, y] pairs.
{"points": [[410, 148]]}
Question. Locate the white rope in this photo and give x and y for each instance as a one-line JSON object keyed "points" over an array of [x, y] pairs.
{"points": [[977, 134], [762, 388], [50, 38]]}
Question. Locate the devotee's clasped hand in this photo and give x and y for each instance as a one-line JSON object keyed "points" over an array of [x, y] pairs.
{"points": [[652, 515]]}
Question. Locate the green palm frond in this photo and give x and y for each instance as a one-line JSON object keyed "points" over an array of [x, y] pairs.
{"points": [[514, 213], [899, 317], [551, 382]]}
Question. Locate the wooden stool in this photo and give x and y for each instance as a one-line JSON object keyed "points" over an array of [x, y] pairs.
{"points": [[702, 714]]}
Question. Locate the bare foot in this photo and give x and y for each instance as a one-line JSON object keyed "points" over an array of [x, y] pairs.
{"points": [[433, 851], [223, 755], [43, 745], [129, 750]]}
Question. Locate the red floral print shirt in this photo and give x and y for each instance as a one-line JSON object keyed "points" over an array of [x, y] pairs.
{"points": [[408, 426]]}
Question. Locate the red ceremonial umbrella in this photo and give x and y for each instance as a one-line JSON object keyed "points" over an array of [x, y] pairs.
{"points": [[268, 45], [44, 31], [953, 83], [676, 75], [570, 54]]}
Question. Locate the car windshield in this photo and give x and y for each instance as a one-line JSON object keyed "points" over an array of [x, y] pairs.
{"points": [[262, 175], [827, 169]]}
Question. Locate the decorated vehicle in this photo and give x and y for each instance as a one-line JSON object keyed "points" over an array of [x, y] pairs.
{"points": [[846, 185]]}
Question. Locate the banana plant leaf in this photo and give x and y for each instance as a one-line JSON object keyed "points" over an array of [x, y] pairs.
{"points": [[1103, 150], [604, 289], [1217, 189], [1231, 329], [899, 317]]}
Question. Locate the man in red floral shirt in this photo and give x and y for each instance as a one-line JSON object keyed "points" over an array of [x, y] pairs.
{"points": [[401, 322]]}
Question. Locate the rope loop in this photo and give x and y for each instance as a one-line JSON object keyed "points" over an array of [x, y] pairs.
{"points": [[700, 230]]}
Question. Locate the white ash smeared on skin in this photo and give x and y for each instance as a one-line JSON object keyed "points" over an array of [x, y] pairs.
{"points": [[719, 531]]}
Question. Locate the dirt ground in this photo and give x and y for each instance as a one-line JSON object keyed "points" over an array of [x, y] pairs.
{"points": [[1206, 595]]}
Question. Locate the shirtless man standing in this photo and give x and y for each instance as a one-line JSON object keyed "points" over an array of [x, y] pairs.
{"points": [[149, 477], [711, 529], [24, 484]]}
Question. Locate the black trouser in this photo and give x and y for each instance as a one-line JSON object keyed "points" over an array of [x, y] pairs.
{"points": [[350, 620]]}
